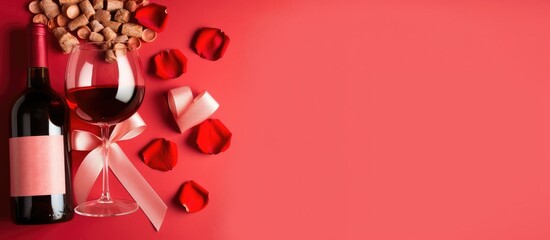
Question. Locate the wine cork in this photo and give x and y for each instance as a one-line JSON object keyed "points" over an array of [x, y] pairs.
{"points": [[113, 25], [61, 20], [71, 11], [122, 16], [67, 42], [40, 18], [98, 4], [148, 35], [109, 34], [102, 15], [120, 49], [113, 5], [58, 32], [121, 38], [49, 8], [132, 29], [79, 21], [107, 45], [110, 56], [118, 46], [133, 43], [83, 32], [34, 7], [142, 2], [96, 26], [52, 23], [131, 6], [70, 2], [96, 37], [87, 8]]}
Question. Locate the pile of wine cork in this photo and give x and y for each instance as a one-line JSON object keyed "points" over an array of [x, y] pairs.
{"points": [[93, 20]]}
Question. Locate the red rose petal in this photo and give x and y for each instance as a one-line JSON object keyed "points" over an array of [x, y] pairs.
{"points": [[210, 43], [152, 16], [170, 64], [160, 154], [193, 197], [213, 137]]}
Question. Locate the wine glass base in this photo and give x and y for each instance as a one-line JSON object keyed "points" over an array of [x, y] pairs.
{"points": [[114, 207]]}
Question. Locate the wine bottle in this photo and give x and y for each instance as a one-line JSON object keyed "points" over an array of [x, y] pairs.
{"points": [[40, 185]]}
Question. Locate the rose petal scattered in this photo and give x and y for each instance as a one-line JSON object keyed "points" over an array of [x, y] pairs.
{"points": [[152, 16], [210, 43], [170, 64], [193, 197], [213, 137], [160, 154]]}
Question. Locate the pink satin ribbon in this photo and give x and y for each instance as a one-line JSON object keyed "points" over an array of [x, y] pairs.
{"points": [[124, 170], [187, 111]]}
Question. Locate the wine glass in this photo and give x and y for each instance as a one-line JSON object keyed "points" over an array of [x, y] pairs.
{"points": [[104, 86]]}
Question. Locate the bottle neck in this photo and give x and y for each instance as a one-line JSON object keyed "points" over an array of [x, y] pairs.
{"points": [[38, 77], [38, 51]]}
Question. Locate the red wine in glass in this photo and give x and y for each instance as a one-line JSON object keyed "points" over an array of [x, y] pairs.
{"points": [[105, 104]]}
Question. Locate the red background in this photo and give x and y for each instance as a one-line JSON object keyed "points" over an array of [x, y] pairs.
{"points": [[352, 120]]}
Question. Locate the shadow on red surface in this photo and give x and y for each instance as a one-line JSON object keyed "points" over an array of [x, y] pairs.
{"points": [[9, 89]]}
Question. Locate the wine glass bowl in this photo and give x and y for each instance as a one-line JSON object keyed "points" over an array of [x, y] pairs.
{"points": [[104, 86], [101, 90]]}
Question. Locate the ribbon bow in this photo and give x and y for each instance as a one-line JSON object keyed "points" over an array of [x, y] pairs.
{"points": [[124, 170], [189, 111]]}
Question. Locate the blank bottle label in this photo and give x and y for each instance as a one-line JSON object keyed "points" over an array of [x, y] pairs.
{"points": [[37, 166]]}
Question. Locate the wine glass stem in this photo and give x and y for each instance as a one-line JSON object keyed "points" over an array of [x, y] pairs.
{"points": [[105, 195]]}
